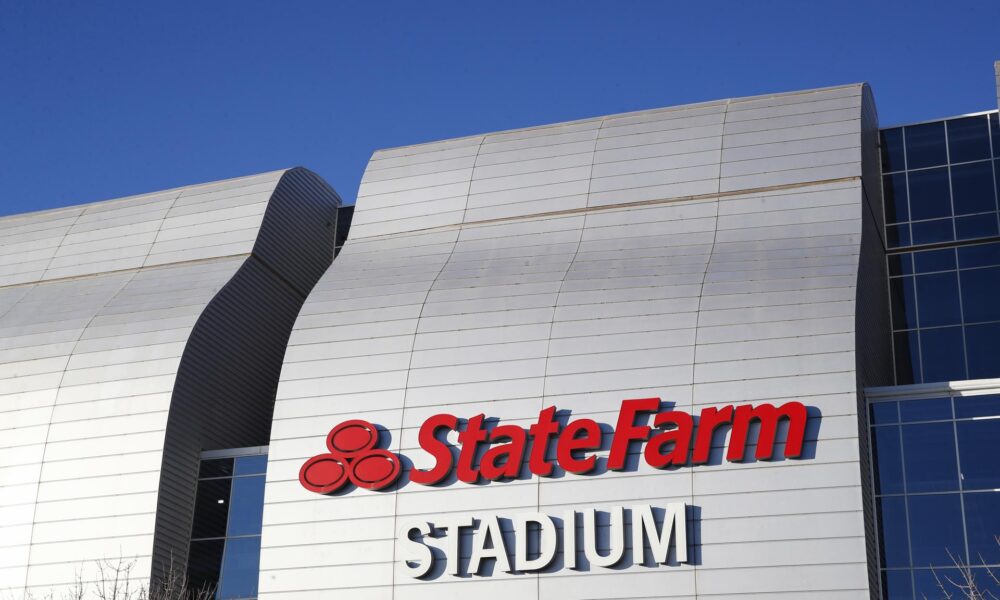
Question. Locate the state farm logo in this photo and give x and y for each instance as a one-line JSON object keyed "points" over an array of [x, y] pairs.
{"points": [[352, 457], [671, 438]]}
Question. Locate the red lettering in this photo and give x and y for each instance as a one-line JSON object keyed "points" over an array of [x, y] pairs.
{"points": [[627, 431], [436, 448], [679, 436], [469, 440], [491, 467], [545, 428], [711, 419], [768, 416], [570, 442]]}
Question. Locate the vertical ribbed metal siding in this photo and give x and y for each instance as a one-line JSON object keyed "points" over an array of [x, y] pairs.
{"points": [[225, 388]]}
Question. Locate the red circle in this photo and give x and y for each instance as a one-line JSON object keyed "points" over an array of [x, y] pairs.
{"points": [[375, 470], [351, 438], [323, 474]]}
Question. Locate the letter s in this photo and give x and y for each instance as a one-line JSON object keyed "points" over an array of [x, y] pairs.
{"points": [[417, 557], [436, 448]]}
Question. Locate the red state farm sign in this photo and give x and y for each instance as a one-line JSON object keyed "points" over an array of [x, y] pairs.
{"points": [[353, 456]]}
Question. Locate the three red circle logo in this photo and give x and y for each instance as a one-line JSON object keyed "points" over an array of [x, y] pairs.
{"points": [[352, 457]]}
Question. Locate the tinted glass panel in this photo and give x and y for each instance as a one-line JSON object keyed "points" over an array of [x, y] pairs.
{"points": [[995, 134], [900, 264], [987, 582], [897, 235], [897, 585], [926, 583], [981, 294], [888, 460], [982, 521], [885, 412], [934, 260], [972, 188], [211, 508], [894, 191], [929, 409], [936, 529], [979, 255], [906, 350], [204, 561], [251, 465], [892, 150], [904, 303], [240, 569], [929, 451], [925, 145], [976, 226], [222, 467], [247, 509], [983, 350], [968, 139], [942, 354], [929, 196], [937, 299], [932, 232], [892, 534], [977, 406], [977, 446]]}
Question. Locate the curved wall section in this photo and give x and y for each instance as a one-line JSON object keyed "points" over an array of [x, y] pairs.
{"points": [[704, 254], [97, 304]]}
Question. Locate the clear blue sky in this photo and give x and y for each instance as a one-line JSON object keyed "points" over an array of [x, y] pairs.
{"points": [[105, 99]]}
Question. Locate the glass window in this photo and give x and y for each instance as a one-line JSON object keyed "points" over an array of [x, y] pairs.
{"points": [[983, 350], [976, 226], [937, 299], [929, 261], [929, 454], [251, 465], [972, 188], [925, 145], [221, 467], [892, 150], [247, 510], [204, 562], [211, 508], [942, 354], [979, 255], [927, 409], [929, 194], [897, 585], [995, 134], [981, 294], [927, 583], [900, 264], [936, 529], [904, 303], [894, 191], [977, 446], [240, 569], [932, 232], [892, 534], [982, 524], [888, 460], [986, 582], [906, 350], [968, 139], [897, 235], [885, 412], [987, 405]]}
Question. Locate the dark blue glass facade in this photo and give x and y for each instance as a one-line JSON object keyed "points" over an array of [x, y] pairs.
{"points": [[225, 539], [940, 189], [937, 487]]}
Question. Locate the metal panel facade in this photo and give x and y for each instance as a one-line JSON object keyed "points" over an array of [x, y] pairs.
{"points": [[96, 306], [704, 254]]}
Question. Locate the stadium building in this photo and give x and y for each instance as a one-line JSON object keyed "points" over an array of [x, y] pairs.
{"points": [[730, 350]]}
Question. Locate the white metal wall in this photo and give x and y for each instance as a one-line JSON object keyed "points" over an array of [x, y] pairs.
{"points": [[706, 254], [96, 304]]}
